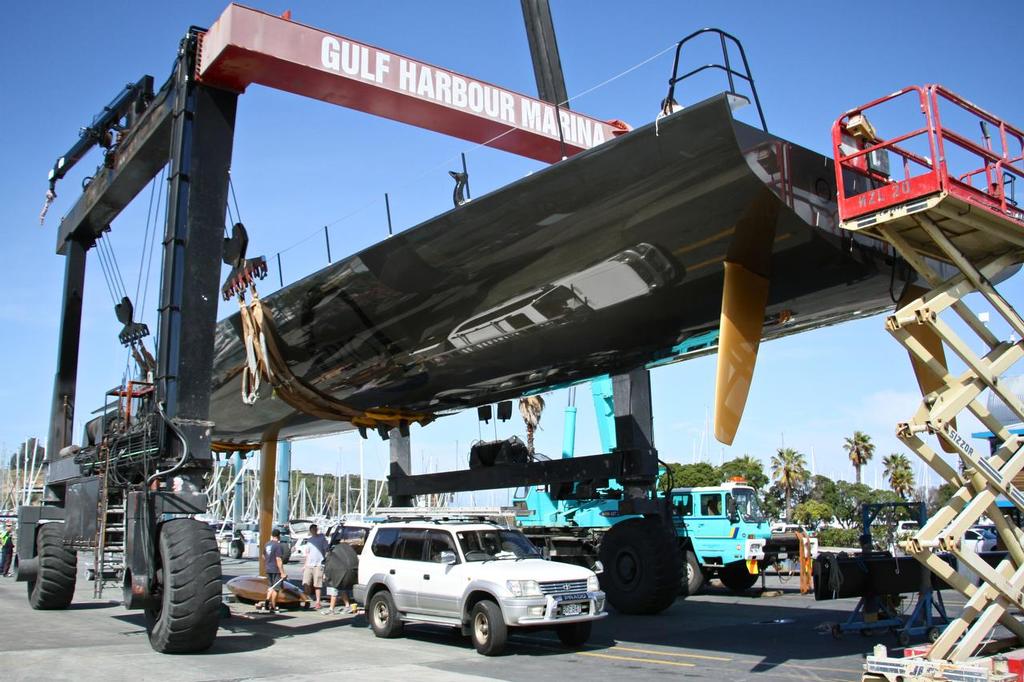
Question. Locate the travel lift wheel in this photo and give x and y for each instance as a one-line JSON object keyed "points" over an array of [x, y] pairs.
{"points": [[736, 577], [642, 566], [185, 617], [54, 586]]}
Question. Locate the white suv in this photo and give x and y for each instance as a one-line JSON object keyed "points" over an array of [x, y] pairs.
{"points": [[478, 577]]}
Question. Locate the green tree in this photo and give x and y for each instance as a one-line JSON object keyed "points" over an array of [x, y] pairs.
{"points": [[860, 449], [746, 467], [701, 473], [899, 474], [846, 500], [789, 468], [689, 476], [812, 513]]}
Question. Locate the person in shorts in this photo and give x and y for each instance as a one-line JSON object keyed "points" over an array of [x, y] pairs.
{"points": [[313, 571], [273, 560], [341, 570]]}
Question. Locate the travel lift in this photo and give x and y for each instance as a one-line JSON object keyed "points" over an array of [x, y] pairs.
{"points": [[954, 203], [129, 496]]}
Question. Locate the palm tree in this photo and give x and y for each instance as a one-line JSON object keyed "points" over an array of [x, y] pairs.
{"points": [[789, 468], [860, 449], [900, 474], [531, 408]]}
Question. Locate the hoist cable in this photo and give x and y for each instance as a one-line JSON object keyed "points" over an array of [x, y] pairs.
{"points": [[145, 237], [152, 243]]}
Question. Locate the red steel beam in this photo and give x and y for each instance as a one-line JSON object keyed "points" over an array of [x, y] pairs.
{"points": [[247, 46]]}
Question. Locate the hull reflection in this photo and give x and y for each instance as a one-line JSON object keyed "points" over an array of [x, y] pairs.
{"points": [[601, 263]]}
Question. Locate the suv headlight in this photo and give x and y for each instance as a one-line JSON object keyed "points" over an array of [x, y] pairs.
{"points": [[593, 584], [523, 588]]}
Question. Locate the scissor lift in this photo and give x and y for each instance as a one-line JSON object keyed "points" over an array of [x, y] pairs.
{"points": [[966, 218]]}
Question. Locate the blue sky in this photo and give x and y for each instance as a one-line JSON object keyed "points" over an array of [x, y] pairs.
{"points": [[301, 164]]}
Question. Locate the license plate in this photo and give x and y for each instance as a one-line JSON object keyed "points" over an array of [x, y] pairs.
{"points": [[572, 609], [572, 597], [782, 555]]}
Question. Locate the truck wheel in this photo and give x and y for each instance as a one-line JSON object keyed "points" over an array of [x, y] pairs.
{"points": [[693, 576], [237, 549], [737, 578], [487, 628], [642, 566], [574, 634], [383, 614], [185, 617], [54, 586]]}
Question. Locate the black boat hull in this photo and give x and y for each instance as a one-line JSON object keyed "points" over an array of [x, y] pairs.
{"points": [[601, 263]]}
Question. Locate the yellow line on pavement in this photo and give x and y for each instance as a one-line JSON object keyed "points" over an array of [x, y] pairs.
{"points": [[635, 659], [670, 653]]}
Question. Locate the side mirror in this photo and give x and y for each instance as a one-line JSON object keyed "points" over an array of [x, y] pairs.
{"points": [[448, 557], [598, 568], [730, 509]]}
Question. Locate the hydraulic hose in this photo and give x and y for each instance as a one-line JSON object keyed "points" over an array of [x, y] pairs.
{"points": [[185, 453]]}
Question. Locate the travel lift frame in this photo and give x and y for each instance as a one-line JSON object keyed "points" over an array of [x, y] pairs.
{"points": [[190, 124], [929, 611], [933, 214]]}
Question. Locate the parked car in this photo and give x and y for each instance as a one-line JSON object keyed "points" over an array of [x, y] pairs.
{"points": [[478, 577], [780, 528], [352, 532], [243, 541], [978, 539]]}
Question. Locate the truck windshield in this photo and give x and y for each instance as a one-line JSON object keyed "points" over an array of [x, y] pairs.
{"points": [[483, 545], [746, 505]]}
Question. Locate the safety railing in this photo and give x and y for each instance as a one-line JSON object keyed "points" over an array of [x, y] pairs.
{"points": [[981, 174], [726, 66]]}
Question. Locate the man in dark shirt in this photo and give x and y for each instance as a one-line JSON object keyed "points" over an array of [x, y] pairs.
{"points": [[273, 559], [6, 548]]}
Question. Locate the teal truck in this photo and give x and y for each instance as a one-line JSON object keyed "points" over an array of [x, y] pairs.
{"points": [[720, 530], [722, 533]]}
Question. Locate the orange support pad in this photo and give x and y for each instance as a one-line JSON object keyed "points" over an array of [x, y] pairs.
{"points": [[247, 46]]}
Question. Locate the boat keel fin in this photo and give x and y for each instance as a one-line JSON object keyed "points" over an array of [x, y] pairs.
{"points": [[744, 299]]}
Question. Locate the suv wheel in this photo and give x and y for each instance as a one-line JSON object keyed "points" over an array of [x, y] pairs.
{"points": [[487, 628], [383, 615], [574, 634]]}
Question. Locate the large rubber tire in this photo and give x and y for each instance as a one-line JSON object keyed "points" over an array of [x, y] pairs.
{"points": [[383, 615], [737, 578], [693, 576], [54, 586], [487, 628], [642, 566], [574, 635], [187, 614]]}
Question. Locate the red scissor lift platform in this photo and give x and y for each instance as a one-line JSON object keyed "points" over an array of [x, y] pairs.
{"points": [[964, 186]]}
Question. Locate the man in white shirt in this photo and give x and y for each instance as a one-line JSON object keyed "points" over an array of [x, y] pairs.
{"points": [[313, 571]]}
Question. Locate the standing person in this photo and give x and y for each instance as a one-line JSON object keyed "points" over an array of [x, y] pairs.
{"points": [[273, 559], [342, 567], [313, 571], [6, 548]]}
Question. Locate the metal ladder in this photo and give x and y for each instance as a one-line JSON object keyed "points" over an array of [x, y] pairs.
{"points": [[928, 218], [108, 557]]}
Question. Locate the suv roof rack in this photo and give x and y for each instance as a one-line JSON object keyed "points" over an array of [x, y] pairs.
{"points": [[505, 515]]}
